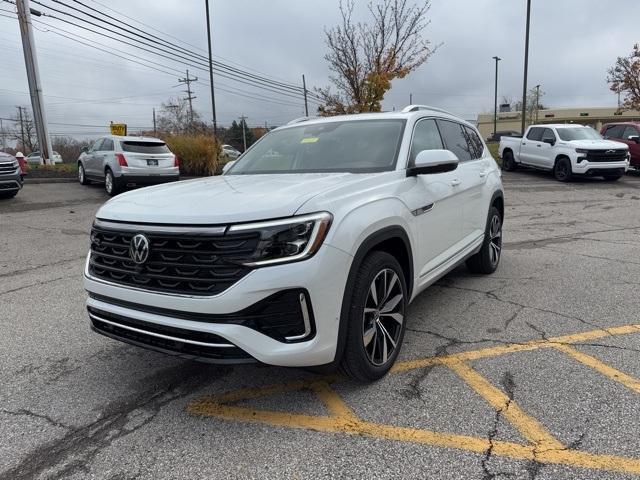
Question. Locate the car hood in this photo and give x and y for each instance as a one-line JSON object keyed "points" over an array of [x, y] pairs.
{"points": [[222, 199], [596, 144]]}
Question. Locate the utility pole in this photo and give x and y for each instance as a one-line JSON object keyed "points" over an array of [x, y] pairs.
{"points": [[537, 101], [411, 99], [213, 97], [526, 67], [243, 121], [21, 125], [154, 121], [495, 98], [187, 81], [2, 134], [33, 77], [304, 88]]}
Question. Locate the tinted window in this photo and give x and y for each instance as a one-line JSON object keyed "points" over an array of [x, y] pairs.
{"points": [[355, 146], [535, 134], [107, 144], [455, 139], [578, 133], [614, 131], [475, 144], [145, 147], [425, 137], [629, 131], [96, 145], [548, 135]]}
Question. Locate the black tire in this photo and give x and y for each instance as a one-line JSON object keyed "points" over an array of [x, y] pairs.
{"points": [[381, 322], [508, 162], [612, 178], [486, 261], [562, 170], [111, 184], [82, 177]]}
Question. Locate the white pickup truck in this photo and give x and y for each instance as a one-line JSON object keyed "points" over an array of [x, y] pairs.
{"points": [[566, 150]]}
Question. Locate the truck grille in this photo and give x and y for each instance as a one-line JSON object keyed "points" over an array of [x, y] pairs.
{"points": [[178, 263], [617, 155], [7, 167]]}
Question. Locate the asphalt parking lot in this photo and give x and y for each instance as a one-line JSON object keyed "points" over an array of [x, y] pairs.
{"points": [[531, 373]]}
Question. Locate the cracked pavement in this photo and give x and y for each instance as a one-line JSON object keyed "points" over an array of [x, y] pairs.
{"points": [[76, 405]]}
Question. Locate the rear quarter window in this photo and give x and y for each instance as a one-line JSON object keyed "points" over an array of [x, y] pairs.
{"points": [[145, 147]]}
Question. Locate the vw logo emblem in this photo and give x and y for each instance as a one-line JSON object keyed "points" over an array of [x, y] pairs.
{"points": [[139, 249]]}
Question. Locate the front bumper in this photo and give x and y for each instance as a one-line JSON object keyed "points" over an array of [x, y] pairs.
{"points": [[11, 183], [322, 277], [599, 168]]}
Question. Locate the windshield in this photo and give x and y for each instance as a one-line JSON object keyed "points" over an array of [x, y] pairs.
{"points": [[578, 133], [356, 146]]}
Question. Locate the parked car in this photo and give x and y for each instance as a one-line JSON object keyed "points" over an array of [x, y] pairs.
{"points": [[307, 251], [119, 162], [495, 137], [566, 150], [34, 158], [628, 133], [230, 152], [10, 176]]}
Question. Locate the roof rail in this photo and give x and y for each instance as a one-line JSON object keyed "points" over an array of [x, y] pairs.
{"points": [[415, 108], [298, 120]]}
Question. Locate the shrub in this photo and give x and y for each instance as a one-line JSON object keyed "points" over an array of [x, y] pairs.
{"points": [[198, 154]]}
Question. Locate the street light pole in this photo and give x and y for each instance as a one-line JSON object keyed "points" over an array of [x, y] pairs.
{"points": [[526, 67], [495, 98], [213, 97]]}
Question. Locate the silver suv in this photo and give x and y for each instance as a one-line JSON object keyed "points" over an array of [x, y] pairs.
{"points": [[121, 161]]}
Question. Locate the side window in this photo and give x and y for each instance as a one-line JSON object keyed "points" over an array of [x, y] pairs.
{"points": [[455, 139], [535, 134], [97, 145], [548, 135], [629, 131], [475, 144], [425, 137], [614, 131], [107, 144]]}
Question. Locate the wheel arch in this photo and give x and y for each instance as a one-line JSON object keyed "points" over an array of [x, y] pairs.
{"points": [[559, 157], [497, 200]]}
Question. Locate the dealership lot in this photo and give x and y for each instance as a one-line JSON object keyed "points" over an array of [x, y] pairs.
{"points": [[530, 373]]}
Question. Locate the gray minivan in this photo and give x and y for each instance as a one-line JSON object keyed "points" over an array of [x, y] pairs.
{"points": [[122, 161]]}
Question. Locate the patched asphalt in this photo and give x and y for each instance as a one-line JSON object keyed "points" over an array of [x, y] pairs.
{"points": [[74, 404]]}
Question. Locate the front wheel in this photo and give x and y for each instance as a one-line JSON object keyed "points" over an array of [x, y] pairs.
{"points": [[376, 322], [82, 176], [111, 186], [562, 170], [487, 259]]}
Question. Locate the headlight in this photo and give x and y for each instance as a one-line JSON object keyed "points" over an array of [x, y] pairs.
{"points": [[288, 239], [584, 151]]}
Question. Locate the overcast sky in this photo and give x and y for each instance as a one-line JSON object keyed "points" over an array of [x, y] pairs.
{"points": [[573, 42]]}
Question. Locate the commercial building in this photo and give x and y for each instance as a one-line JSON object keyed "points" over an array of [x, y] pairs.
{"points": [[592, 116]]}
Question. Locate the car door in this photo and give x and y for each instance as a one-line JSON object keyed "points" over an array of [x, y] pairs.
{"points": [[629, 137], [90, 166], [434, 202], [104, 155], [545, 157], [530, 145]]}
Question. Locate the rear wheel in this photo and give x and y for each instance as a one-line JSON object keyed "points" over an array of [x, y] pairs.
{"points": [[508, 162], [562, 170], [82, 177], [111, 185], [487, 259], [376, 324]]}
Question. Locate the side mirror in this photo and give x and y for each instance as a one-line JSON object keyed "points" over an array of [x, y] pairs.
{"points": [[433, 161], [228, 165], [550, 141], [634, 138]]}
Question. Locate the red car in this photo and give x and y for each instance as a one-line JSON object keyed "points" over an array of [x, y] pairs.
{"points": [[625, 132]]}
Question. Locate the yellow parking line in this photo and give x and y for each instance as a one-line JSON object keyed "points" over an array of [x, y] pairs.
{"points": [[334, 402], [530, 428], [614, 374]]}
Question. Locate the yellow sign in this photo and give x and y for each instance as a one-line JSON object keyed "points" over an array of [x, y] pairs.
{"points": [[118, 129]]}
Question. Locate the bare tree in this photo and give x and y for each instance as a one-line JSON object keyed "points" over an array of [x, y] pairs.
{"points": [[624, 78], [27, 130], [174, 117], [365, 57]]}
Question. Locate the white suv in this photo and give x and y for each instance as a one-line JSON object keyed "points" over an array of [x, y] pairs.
{"points": [[307, 251]]}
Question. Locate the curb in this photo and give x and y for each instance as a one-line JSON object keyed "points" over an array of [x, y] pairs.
{"points": [[35, 181]]}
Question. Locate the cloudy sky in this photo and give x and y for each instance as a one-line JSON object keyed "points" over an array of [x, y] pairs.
{"points": [[573, 42]]}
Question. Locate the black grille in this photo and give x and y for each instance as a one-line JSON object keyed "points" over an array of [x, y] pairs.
{"points": [[148, 340], [612, 155], [188, 264], [9, 186], [6, 168]]}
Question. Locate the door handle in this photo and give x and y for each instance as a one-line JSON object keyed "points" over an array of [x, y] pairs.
{"points": [[523, 143], [483, 173], [455, 183], [539, 146]]}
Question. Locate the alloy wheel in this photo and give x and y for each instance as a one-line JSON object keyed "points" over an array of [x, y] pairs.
{"points": [[108, 182], [495, 239], [383, 316], [80, 174]]}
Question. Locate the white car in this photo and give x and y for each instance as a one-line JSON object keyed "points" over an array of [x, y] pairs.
{"points": [[307, 251], [34, 158], [566, 150], [230, 152]]}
